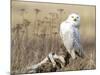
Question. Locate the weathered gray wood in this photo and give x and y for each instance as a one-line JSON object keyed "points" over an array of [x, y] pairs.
{"points": [[51, 58]]}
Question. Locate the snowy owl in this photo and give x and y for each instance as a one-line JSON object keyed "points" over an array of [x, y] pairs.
{"points": [[69, 32]]}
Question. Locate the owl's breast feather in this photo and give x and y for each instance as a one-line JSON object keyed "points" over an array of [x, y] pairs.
{"points": [[65, 27]]}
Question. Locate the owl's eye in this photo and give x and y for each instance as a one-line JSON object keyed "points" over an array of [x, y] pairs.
{"points": [[77, 17], [72, 16]]}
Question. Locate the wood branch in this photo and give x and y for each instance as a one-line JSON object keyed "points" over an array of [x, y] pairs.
{"points": [[51, 59]]}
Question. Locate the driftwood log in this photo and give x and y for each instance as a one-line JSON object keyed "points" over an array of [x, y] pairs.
{"points": [[51, 63]]}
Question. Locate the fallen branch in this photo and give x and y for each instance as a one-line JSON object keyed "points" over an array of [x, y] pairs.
{"points": [[52, 59]]}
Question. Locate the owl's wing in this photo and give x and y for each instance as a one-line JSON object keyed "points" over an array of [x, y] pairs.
{"points": [[77, 44], [76, 37]]}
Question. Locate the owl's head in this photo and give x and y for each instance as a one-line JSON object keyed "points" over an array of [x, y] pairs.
{"points": [[74, 18]]}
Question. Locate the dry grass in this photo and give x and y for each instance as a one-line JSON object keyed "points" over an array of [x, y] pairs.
{"points": [[35, 33]]}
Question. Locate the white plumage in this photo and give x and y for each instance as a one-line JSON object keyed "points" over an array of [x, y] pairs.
{"points": [[69, 32]]}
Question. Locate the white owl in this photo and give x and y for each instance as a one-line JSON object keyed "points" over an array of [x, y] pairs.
{"points": [[69, 32]]}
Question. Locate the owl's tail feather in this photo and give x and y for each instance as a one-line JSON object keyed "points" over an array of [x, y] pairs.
{"points": [[80, 53]]}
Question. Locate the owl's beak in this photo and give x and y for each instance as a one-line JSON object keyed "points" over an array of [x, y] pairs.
{"points": [[75, 19]]}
